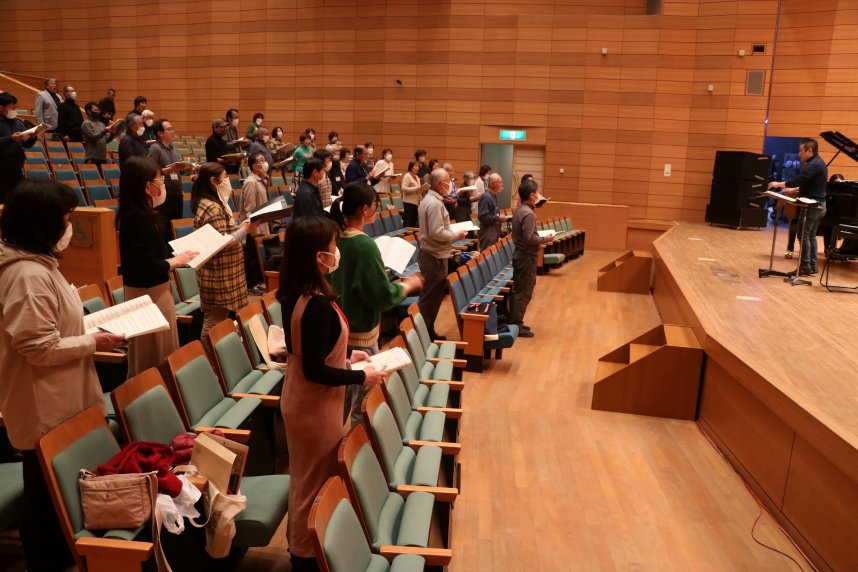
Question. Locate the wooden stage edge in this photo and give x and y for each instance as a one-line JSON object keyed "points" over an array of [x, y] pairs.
{"points": [[779, 395]]}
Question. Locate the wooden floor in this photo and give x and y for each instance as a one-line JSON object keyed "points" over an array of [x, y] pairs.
{"points": [[550, 485]]}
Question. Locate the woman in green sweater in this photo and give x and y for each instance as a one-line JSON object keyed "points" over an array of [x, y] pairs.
{"points": [[360, 280]]}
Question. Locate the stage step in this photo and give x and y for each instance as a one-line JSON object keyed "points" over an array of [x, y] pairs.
{"points": [[656, 374], [630, 273]]}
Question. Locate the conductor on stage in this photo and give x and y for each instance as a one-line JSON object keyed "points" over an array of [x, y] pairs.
{"points": [[810, 183]]}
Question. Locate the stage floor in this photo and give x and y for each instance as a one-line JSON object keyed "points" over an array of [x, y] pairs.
{"points": [[801, 339]]}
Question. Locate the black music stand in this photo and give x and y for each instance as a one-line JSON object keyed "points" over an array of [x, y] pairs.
{"points": [[794, 279], [764, 272]]}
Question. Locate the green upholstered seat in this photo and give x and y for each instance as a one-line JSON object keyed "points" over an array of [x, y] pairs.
{"points": [[11, 493], [153, 417], [346, 549], [239, 375], [403, 465], [552, 259], [118, 295], [442, 370], [446, 350], [422, 395], [275, 313], [187, 278], [267, 502], [413, 425], [204, 400], [391, 520], [94, 305]]}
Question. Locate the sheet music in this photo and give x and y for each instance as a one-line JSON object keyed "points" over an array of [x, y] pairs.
{"points": [[206, 240], [466, 226], [779, 196], [132, 318], [545, 233], [273, 207], [468, 189], [395, 252], [389, 360], [37, 130]]}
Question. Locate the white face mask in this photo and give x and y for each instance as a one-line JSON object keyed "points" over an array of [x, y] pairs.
{"points": [[65, 239], [336, 255], [162, 196], [263, 168], [140, 131], [370, 151], [388, 157], [328, 166], [73, 94], [278, 135], [312, 136], [235, 122], [224, 190], [149, 122], [12, 114], [259, 121]]}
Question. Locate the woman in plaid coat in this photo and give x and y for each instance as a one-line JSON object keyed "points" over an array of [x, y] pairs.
{"points": [[223, 287]]}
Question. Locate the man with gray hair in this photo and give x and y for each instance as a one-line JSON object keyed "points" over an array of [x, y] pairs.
{"points": [[488, 214], [48, 104], [436, 244]]}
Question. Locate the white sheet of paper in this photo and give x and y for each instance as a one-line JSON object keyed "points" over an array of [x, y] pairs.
{"points": [[545, 233], [388, 360], [469, 188], [272, 208], [466, 226], [395, 252], [132, 318], [205, 240]]}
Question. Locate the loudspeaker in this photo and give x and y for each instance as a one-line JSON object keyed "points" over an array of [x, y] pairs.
{"points": [[741, 165], [736, 193], [737, 217]]}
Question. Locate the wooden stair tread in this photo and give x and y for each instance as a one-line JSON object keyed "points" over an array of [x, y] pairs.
{"points": [[607, 368], [680, 336], [638, 351]]}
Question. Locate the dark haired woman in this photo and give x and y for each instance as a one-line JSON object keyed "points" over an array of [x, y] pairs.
{"points": [[144, 258], [45, 356], [363, 286], [254, 126], [223, 286], [317, 334]]}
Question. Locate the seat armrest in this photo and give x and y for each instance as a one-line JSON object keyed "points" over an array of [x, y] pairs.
{"points": [[267, 400], [454, 385], [446, 448], [433, 556], [443, 494], [113, 555], [237, 435], [457, 363], [450, 412], [110, 357]]}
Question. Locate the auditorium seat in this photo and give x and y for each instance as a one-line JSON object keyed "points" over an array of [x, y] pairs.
{"points": [[429, 368], [200, 399], [271, 305], [433, 349], [420, 423], [244, 317], [11, 494], [339, 541], [182, 227], [236, 374], [115, 290], [84, 442], [430, 392], [146, 413], [389, 518], [186, 281]]}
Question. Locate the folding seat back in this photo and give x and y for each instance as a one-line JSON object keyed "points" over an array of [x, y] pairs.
{"points": [[186, 280], [11, 494], [369, 230], [65, 175], [230, 356], [182, 227], [273, 312], [186, 208], [386, 222], [115, 290], [84, 442], [396, 220], [377, 227], [38, 174], [98, 192], [339, 540], [145, 410], [467, 282], [91, 298], [244, 316], [89, 172]]}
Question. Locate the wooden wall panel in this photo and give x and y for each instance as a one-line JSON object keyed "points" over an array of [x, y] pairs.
{"points": [[611, 121]]}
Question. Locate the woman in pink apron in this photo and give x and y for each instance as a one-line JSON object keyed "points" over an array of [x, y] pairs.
{"points": [[318, 371]]}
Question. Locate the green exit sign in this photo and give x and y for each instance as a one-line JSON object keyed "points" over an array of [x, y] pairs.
{"points": [[513, 135]]}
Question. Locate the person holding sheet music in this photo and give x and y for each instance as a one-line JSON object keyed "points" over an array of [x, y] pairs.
{"points": [[166, 155], [487, 212], [308, 199], [356, 171], [96, 135], [384, 168], [363, 286], [337, 174], [301, 153], [144, 258], [317, 335], [12, 128], [254, 194], [325, 185], [46, 362], [223, 286]]}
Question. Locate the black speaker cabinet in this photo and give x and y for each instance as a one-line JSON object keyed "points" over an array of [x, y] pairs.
{"points": [[737, 217], [737, 193], [741, 165]]}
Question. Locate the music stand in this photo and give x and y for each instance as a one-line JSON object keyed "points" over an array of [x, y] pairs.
{"points": [[770, 271], [793, 278]]}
